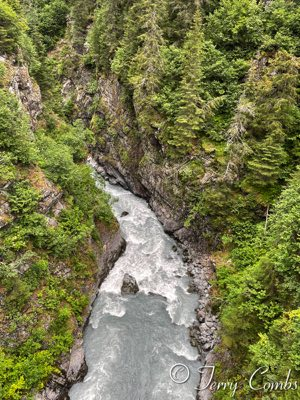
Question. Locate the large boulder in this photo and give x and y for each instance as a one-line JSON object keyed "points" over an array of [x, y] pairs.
{"points": [[130, 285]]}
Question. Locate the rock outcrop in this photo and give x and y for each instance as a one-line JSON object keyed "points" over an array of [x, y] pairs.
{"points": [[20, 83], [129, 285]]}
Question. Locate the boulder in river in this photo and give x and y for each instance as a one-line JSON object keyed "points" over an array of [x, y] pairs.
{"points": [[124, 214], [130, 285]]}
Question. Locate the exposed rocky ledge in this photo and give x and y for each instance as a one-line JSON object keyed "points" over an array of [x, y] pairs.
{"points": [[73, 366], [21, 84]]}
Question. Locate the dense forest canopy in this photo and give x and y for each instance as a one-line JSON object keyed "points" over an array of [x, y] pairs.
{"points": [[215, 85]]}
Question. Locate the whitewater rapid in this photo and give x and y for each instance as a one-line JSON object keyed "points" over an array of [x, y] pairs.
{"points": [[132, 341]]}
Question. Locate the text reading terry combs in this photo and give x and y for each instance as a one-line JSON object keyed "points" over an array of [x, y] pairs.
{"points": [[180, 374]]}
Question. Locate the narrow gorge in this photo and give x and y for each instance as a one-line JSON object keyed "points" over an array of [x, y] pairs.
{"points": [[133, 340], [149, 199]]}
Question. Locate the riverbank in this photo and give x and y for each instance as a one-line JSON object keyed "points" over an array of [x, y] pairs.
{"points": [[73, 366]]}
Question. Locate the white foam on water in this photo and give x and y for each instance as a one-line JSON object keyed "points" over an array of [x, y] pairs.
{"points": [[149, 256], [132, 341], [184, 350], [107, 303]]}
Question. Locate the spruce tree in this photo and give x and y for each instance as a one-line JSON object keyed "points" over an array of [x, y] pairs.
{"points": [[107, 31], [236, 26], [271, 131], [180, 19], [266, 164], [147, 65], [12, 27], [81, 16], [191, 114]]}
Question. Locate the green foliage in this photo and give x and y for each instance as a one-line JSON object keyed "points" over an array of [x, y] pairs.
{"points": [[190, 114], [147, 66], [7, 168], [191, 173], [279, 349], [2, 73], [272, 126], [18, 374], [38, 270], [236, 26], [81, 16], [262, 296], [76, 137], [283, 235], [47, 22], [56, 158], [23, 199], [12, 28], [15, 135], [282, 25], [180, 17], [63, 240], [107, 30], [52, 21]]}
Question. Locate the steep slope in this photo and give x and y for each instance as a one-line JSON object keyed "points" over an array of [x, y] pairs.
{"points": [[58, 237]]}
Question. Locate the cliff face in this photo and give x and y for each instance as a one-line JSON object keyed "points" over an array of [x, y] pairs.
{"points": [[130, 159], [19, 82]]}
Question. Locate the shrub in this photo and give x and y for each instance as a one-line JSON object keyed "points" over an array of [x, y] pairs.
{"points": [[12, 27], [15, 135], [24, 198]]}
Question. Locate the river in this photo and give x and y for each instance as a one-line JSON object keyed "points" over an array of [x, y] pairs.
{"points": [[132, 341]]}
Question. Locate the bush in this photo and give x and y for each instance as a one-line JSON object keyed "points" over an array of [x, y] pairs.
{"points": [[12, 28], [49, 22], [56, 159], [24, 198], [236, 25], [15, 135], [7, 168], [76, 137]]}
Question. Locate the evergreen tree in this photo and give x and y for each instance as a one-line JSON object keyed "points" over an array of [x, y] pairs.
{"points": [[236, 26], [180, 19], [266, 164], [107, 31], [260, 296], [275, 114], [81, 16], [282, 26], [191, 114], [148, 64], [12, 28], [15, 135]]}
